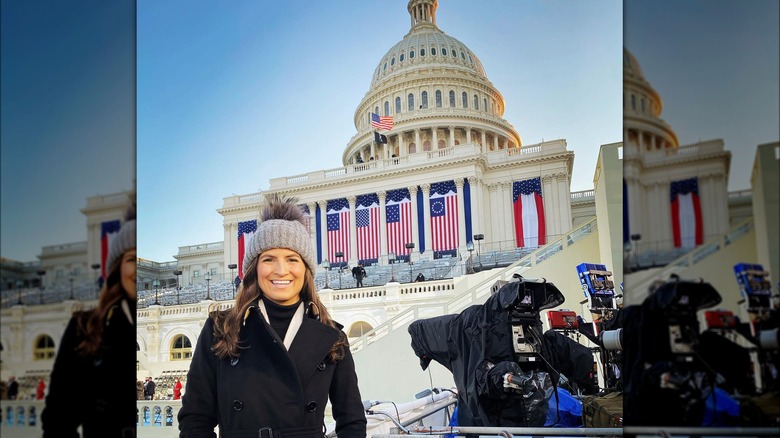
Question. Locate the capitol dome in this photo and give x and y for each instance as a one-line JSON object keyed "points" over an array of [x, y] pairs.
{"points": [[645, 130], [437, 93]]}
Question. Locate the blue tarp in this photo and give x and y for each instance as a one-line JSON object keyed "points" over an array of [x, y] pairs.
{"points": [[569, 411]]}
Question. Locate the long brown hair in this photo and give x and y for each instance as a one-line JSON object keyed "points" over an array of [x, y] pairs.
{"points": [[92, 322], [227, 323]]}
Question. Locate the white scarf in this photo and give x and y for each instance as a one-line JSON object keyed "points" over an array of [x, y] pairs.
{"points": [[295, 323]]}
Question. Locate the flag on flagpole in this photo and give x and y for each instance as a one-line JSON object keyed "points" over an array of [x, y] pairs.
{"points": [[108, 230], [384, 123], [245, 232], [367, 226], [530, 230], [338, 229], [399, 221], [444, 216], [380, 138], [687, 227]]}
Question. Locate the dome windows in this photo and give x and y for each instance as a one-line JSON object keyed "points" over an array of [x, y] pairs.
{"points": [[392, 61], [422, 51], [465, 98], [424, 104], [452, 99], [410, 102], [387, 108], [384, 67], [476, 102], [484, 104], [397, 105], [401, 58], [454, 53], [443, 51], [433, 51], [438, 98], [411, 54], [462, 55]]}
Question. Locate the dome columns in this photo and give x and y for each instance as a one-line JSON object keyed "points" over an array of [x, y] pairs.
{"points": [[422, 11]]}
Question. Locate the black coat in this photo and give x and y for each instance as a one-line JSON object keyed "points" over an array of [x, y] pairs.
{"points": [[267, 386], [95, 392]]}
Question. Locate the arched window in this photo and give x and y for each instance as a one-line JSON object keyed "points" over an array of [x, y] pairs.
{"points": [[410, 102], [427, 145], [438, 98], [397, 105], [484, 104], [452, 99], [424, 99], [476, 102], [401, 58], [44, 348], [442, 143], [454, 53], [465, 98], [422, 51], [392, 61], [412, 148], [411, 54], [181, 348], [384, 67], [633, 102], [387, 108], [462, 55], [433, 51], [444, 51], [376, 111], [358, 329]]}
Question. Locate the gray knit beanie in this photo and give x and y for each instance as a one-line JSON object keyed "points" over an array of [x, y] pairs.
{"points": [[283, 225], [122, 242]]}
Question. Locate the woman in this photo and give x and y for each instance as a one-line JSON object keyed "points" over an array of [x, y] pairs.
{"points": [[91, 383], [177, 389], [267, 366], [40, 389]]}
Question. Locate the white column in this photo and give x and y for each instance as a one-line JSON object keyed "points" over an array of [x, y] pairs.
{"points": [[461, 215], [313, 226], [484, 147], [468, 135], [435, 138], [495, 219], [451, 139], [401, 145], [417, 140], [415, 226], [352, 234], [382, 225], [477, 218]]}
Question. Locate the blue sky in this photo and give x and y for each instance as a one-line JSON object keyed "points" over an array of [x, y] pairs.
{"points": [[67, 101], [230, 97], [715, 64]]}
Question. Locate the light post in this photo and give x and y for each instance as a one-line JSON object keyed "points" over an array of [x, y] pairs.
{"points": [[470, 248], [326, 265], [208, 288], [41, 273], [178, 287], [391, 259], [339, 256], [233, 266], [479, 238], [410, 249], [636, 238], [95, 267], [156, 284], [70, 277]]}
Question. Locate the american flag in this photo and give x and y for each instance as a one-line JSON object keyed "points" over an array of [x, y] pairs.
{"points": [[108, 230], [529, 213], [245, 232], [687, 226], [367, 226], [444, 216], [338, 229], [399, 221], [381, 122]]}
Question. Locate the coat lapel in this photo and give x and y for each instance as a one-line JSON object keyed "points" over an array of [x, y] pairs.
{"points": [[311, 347]]}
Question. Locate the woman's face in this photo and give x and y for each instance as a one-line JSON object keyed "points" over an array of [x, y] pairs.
{"points": [[281, 273], [128, 273]]}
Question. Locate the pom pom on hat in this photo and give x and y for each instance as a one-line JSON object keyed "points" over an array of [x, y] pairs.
{"points": [[283, 225]]}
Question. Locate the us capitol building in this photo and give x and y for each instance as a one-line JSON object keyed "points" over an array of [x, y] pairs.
{"points": [[443, 192]]}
